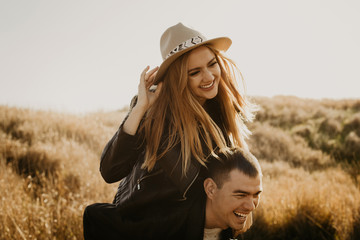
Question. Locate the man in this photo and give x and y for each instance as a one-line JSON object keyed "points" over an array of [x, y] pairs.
{"points": [[233, 189]]}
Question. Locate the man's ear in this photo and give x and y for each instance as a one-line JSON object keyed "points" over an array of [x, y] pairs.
{"points": [[210, 187]]}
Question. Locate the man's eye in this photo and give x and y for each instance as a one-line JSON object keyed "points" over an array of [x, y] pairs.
{"points": [[257, 195], [240, 195]]}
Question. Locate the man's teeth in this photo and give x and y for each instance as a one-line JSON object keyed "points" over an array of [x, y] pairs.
{"points": [[240, 214], [207, 86]]}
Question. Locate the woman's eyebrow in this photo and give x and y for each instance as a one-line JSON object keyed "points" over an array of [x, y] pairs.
{"points": [[200, 67]]}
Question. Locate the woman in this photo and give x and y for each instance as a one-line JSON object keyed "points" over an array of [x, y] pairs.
{"points": [[186, 110]]}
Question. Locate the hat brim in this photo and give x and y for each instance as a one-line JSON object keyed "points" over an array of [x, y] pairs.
{"points": [[221, 44]]}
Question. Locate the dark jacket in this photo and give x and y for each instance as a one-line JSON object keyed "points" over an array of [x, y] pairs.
{"points": [[162, 202]]}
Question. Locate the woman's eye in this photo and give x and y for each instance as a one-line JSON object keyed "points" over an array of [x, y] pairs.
{"points": [[213, 63], [194, 73]]}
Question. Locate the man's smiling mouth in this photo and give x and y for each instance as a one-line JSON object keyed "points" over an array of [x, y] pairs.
{"points": [[240, 215]]}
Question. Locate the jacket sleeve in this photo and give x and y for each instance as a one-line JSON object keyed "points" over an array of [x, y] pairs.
{"points": [[120, 154]]}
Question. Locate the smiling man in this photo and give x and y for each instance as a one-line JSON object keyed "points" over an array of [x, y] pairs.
{"points": [[233, 190]]}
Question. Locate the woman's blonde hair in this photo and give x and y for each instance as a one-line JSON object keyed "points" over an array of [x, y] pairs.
{"points": [[188, 123]]}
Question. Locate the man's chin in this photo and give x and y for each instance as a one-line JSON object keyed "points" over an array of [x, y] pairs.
{"points": [[239, 227]]}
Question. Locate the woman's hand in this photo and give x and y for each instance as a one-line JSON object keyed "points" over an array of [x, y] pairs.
{"points": [[146, 94], [146, 97]]}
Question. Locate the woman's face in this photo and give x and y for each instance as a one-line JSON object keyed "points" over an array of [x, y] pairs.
{"points": [[203, 73]]}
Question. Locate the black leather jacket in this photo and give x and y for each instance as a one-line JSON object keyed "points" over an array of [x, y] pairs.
{"points": [[122, 159], [176, 203]]}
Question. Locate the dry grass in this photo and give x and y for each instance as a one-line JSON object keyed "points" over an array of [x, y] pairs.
{"points": [[297, 204], [309, 151], [49, 171]]}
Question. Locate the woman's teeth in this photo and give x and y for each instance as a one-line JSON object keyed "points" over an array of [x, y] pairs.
{"points": [[208, 86]]}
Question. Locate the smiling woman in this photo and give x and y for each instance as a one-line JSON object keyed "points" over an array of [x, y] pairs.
{"points": [[162, 147], [204, 73]]}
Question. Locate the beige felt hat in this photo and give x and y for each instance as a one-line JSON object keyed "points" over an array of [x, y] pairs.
{"points": [[179, 39]]}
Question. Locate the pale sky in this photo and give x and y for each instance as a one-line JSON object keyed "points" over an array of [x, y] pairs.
{"points": [[83, 55]]}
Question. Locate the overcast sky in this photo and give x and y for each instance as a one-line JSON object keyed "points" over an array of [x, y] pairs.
{"points": [[82, 56]]}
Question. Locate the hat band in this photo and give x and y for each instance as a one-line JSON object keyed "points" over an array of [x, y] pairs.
{"points": [[184, 45]]}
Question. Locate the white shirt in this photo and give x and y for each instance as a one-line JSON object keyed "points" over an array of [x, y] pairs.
{"points": [[212, 233]]}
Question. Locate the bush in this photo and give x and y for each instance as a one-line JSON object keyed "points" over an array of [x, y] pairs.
{"points": [[353, 124], [273, 144], [297, 204]]}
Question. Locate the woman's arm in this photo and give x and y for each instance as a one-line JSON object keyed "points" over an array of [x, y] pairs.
{"points": [[121, 152], [119, 155], [145, 99], [133, 120]]}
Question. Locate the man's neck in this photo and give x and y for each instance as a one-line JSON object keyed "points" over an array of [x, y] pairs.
{"points": [[212, 234], [211, 220]]}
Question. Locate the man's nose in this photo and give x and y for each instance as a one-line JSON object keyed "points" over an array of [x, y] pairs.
{"points": [[250, 204]]}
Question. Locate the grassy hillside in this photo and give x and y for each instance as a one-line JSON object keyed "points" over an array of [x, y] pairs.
{"points": [[309, 151], [310, 154]]}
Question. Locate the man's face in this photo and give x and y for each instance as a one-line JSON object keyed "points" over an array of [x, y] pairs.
{"points": [[232, 204]]}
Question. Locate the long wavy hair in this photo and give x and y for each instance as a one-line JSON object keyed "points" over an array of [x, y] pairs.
{"points": [[186, 120]]}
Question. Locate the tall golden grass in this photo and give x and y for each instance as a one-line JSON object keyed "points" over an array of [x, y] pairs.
{"points": [[309, 151], [49, 171]]}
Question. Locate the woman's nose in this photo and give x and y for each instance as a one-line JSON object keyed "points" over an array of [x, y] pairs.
{"points": [[208, 75]]}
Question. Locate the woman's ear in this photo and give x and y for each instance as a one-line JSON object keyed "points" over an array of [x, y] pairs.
{"points": [[210, 187]]}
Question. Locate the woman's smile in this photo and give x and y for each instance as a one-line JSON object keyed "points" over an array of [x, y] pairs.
{"points": [[209, 86]]}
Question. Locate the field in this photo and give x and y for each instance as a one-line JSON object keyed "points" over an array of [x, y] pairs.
{"points": [[309, 151]]}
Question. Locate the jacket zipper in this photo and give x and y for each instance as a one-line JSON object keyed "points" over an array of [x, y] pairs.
{"points": [[187, 189], [144, 177], [138, 186]]}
